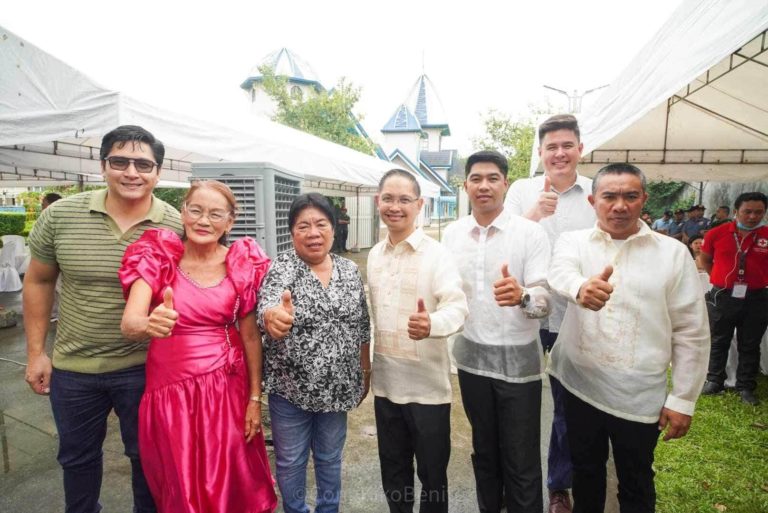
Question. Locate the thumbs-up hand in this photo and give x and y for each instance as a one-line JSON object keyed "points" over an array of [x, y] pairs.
{"points": [[546, 205], [278, 320], [507, 291], [163, 318], [419, 324], [596, 291]]}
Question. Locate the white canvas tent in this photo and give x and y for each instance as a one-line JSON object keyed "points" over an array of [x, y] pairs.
{"points": [[693, 104], [52, 118]]}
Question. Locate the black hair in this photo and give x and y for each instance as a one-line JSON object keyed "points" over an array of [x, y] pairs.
{"points": [[560, 122], [618, 168], [726, 208], [751, 196], [52, 197], [494, 157], [403, 173], [122, 135], [309, 200]]}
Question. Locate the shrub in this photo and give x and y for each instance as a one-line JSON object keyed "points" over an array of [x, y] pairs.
{"points": [[27, 228], [12, 223]]}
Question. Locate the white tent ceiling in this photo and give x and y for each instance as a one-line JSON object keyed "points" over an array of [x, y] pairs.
{"points": [[693, 104], [52, 118]]}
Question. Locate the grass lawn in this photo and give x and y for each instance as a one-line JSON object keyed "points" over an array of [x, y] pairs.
{"points": [[722, 464]]}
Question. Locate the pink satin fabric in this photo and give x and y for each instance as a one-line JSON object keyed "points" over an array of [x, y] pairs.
{"points": [[192, 414]]}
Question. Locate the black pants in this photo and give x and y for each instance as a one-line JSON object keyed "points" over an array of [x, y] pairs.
{"points": [[633, 443], [749, 317], [506, 442], [405, 431], [340, 241]]}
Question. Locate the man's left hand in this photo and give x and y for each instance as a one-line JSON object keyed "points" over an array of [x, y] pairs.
{"points": [[677, 424], [507, 291]]}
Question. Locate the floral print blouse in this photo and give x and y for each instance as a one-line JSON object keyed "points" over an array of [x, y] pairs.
{"points": [[317, 365]]}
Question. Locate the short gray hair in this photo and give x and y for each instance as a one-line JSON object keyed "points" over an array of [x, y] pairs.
{"points": [[618, 168]]}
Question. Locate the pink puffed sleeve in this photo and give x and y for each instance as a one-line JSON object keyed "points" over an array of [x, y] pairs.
{"points": [[153, 258], [247, 264]]}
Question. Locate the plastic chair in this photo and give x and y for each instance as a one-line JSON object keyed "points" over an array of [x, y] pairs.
{"points": [[17, 246], [9, 276]]}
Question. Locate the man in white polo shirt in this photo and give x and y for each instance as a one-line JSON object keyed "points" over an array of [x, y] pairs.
{"points": [[558, 202], [623, 328], [503, 261], [417, 301]]}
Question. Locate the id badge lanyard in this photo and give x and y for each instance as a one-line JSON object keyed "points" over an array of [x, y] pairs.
{"points": [[740, 287]]}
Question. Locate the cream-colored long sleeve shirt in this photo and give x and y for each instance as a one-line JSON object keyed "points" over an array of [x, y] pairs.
{"points": [[616, 359], [405, 370]]}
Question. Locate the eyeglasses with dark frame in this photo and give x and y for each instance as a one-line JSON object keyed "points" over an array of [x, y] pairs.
{"points": [[122, 163], [195, 212]]}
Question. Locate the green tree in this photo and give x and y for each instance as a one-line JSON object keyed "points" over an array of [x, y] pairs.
{"points": [[513, 137], [667, 196], [173, 197], [326, 114]]}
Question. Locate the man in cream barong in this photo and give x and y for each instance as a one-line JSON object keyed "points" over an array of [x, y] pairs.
{"points": [[635, 308]]}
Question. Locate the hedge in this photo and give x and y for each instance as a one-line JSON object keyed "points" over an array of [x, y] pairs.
{"points": [[12, 223]]}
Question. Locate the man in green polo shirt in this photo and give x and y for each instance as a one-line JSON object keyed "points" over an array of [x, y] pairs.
{"points": [[94, 370]]}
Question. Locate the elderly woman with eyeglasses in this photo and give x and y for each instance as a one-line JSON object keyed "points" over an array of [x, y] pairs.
{"points": [[313, 312], [200, 440]]}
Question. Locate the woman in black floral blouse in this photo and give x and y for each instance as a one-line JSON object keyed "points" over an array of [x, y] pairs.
{"points": [[313, 311]]}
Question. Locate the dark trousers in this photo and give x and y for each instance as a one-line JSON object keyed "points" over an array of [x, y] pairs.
{"points": [[559, 467], [506, 442], [405, 431], [81, 404], [633, 443], [749, 317], [340, 238]]}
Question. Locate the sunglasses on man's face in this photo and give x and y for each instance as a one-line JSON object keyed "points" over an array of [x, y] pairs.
{"points": [[122, 163]]}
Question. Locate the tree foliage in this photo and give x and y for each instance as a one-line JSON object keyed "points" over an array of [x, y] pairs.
{"points": [[667, 196], [173, 197], [326, 114], [512, 137]]}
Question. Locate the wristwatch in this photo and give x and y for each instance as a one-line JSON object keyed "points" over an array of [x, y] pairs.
{"points": [[525, 298]]}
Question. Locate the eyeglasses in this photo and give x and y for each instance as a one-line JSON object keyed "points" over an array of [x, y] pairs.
{"points": [[403, 201], [122, 163], [215, 216]]}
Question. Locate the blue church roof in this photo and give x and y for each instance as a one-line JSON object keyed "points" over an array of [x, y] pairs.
{"points": [[284, 63], [402, 120], [425, 103]]}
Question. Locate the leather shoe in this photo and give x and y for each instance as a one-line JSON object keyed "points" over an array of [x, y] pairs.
{"points": [[711, 388], [559, 502], [748, 397]]}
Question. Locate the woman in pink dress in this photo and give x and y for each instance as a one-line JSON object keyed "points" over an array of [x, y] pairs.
{"points": [[200, 436]]}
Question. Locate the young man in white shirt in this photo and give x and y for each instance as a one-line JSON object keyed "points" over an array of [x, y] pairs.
{"points": [[622, 329], [558, 202], [503, 261], [417, 301]]}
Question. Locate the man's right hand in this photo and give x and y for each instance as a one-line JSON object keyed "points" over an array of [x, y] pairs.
{"points": [[546, 204], [596, 291], [38, 375], [278, 320]]}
